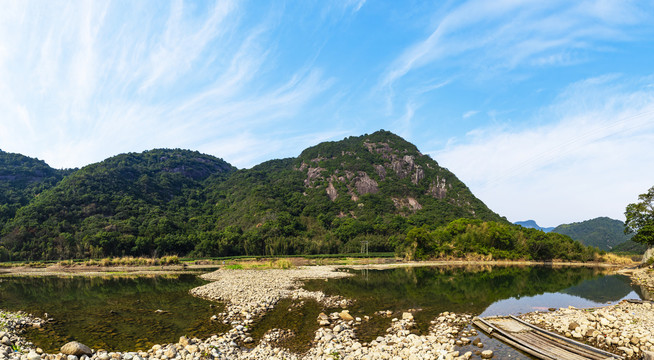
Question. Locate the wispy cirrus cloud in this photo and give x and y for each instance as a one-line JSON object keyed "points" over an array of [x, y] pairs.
{"points": [[507, 34], [81, 83], [591, 161]]}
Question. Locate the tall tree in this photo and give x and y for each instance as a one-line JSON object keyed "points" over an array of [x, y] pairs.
{"points": [[640, 218]]}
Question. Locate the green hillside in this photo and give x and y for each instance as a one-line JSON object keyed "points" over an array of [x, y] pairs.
{"points": [[603, 233], [122, 205], [333, 196], [375, 188], [22, 179]]}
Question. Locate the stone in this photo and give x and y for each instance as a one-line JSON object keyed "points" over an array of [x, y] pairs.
{"points": [[71, 357], [171, 353], [183, 340], [345, 315], [5, 341], [648, 355], [486, 354], [573, 325], [76, 348], [33, 356], [407, 316], [626, 350]]}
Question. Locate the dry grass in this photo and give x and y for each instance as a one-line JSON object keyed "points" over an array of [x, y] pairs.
{"points": [[124, 261], [269, 264], [616, 259]]}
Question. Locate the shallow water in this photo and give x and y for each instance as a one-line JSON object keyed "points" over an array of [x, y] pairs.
{"points": [[112, 313], [480, 291], [118, 312]]}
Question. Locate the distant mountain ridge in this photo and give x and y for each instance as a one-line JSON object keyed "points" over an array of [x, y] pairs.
{"points": [[531, 224], [328, 199]]}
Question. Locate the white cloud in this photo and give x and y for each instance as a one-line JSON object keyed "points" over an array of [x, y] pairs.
{"points": [[469, 113], [591, 161], [82, 82], [497, 35]]}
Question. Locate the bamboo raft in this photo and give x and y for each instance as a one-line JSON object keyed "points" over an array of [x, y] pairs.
{"points": [[539, 342]]}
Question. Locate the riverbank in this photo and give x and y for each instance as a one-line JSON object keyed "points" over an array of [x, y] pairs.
{"points": [[204, 266], [625, 329], [643, 277], [249, 294], [58, 270]]}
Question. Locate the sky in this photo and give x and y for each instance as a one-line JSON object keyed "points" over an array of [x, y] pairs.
{"points": [[545, 109]]}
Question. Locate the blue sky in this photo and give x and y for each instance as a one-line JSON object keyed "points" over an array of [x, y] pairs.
{"points": [[545, 109]]}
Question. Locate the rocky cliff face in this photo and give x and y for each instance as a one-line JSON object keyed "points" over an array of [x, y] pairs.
{"points": [[386, 165]]}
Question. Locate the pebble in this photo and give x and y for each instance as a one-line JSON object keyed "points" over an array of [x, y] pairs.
{"points": [[625, 329]]}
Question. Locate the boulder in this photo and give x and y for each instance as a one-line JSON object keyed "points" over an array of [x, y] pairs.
{"points": [[183, 340], [5, 341], [171, 353], [649, 253], [648, 355], [76, 348]]}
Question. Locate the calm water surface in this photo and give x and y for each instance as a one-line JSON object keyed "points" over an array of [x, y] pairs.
{"points": [[113, 313], [118, 313], [480, 291]]}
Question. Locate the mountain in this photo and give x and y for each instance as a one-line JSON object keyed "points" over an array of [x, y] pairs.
{"points": [[531, 224], [113, 206], [22, 179], [329, 199], [603, 233]]}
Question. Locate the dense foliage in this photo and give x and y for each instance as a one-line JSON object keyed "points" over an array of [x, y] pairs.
{"points": [[498, 240], [640, 218], [630, 247], [603, 233], [375, 189], [130, 204], [22, 179]]}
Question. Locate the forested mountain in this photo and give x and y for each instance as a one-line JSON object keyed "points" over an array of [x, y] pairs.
{"points": [[602, 232], [22, 179], [118, 206], [331, 198]]}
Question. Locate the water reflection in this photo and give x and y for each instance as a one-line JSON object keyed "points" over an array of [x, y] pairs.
{"points": [[114, 313]]}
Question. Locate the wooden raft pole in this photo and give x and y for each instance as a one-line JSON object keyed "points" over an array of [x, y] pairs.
{"points": [[539, 342]]}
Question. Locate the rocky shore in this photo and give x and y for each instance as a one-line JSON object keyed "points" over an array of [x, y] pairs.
{"points": [[643, 277], [335, 340], [249, 294], [625, 329]]}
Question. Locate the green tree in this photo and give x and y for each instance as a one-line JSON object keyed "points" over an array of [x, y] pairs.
{"points": [[640, 218]]}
